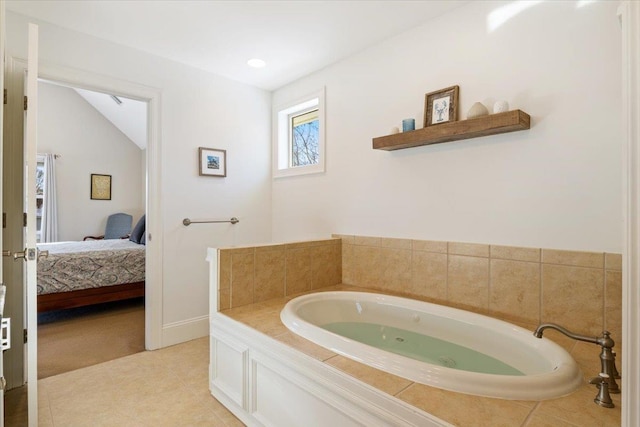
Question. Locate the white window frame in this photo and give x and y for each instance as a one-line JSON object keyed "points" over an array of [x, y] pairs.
{"points": [[282, 136]]}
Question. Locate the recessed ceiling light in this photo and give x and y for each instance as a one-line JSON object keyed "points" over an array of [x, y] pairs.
{"points": [[256, 63]]}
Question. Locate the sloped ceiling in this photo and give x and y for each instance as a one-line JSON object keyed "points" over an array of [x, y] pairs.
{"points": [[130, 116]]}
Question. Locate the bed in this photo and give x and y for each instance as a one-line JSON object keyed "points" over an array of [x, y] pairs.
{"points": [[76, 274]]}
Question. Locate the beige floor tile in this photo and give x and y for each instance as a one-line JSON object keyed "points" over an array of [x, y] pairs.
{"points": [[84, 405], [43, 398], [174, 408], [199, 387], [541, 420], [168, 387], [45, 419], [96, 419], [82, 381], [223, 413]]}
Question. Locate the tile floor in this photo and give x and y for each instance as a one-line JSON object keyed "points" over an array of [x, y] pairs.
{"points": [[167, 387]]}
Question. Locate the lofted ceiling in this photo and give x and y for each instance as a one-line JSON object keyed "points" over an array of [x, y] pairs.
{"points": [[128, 115], [295, 37]]}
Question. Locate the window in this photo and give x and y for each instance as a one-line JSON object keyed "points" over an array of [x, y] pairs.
{"points": [[40, 187], [305, 134], [299, 137]]}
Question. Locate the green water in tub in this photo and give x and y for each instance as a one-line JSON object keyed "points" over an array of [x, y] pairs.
{"points": [[421, 347]]}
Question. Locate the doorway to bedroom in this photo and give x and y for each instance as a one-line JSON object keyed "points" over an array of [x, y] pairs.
{"points": [[92, 168]]}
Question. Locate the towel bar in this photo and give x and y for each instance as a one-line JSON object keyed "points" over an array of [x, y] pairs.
{"points": [[187, 221]]}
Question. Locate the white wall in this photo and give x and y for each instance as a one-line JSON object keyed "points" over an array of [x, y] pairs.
{"points": [[197, 109], [557, 185], [87, 143]]}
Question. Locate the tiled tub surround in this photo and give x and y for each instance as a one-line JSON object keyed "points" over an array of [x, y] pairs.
{"points": [[253, 274], [579, 290]]}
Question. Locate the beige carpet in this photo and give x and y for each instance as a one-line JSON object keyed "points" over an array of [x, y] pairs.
{"points": [[80, 337]]}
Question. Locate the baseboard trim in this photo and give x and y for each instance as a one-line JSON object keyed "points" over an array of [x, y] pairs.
{"points": [[185, 330]]}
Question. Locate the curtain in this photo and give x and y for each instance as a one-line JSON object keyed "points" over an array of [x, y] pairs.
{"points": [[49, 228]]}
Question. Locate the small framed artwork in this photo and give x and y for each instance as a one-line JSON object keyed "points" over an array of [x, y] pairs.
{"points": [[441, 106], [213, 162], [100, 187]]}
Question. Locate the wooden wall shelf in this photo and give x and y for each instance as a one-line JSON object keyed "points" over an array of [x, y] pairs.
{"points": [[493, 124]]}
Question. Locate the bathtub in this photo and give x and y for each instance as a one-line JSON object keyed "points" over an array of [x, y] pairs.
{"points": [[530, 368]]}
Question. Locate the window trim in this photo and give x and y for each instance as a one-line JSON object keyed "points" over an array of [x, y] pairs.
{"points": [[281, 135]]}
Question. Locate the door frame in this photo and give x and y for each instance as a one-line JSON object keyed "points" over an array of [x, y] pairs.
{"points": [[2, 37], [629, 15], [154, 232]]}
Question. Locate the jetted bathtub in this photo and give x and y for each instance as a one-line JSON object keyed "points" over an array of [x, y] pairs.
{"points": [[435, 345]]}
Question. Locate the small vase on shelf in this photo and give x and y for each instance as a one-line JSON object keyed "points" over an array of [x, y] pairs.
{"points": [[477, 110], [500, 107]]}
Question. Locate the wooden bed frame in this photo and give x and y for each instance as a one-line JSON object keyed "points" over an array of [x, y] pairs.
{"points": [[83, 297]]}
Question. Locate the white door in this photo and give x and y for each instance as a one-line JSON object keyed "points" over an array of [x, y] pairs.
{"points": [[31, 255], [14, 366], [2, 27], [18, 193]]}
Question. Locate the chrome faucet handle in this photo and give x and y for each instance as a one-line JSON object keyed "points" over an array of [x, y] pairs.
{"points": [[603, 398]]}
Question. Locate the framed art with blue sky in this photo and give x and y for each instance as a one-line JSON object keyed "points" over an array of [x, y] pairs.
{"points": [[213, 162]]}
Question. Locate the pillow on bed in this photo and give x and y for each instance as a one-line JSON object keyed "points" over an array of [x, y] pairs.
{"points": [[138, 230]]}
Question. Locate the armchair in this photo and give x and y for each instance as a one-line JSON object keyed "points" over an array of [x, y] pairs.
{"points": [[118, 227]]}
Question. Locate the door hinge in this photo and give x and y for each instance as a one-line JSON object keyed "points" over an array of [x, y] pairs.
{"points": [[26, 102], [24, 334], [24, 219], [4, 101], [4, 220]]}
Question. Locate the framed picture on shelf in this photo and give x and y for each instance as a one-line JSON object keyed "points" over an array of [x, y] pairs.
{"points": [[100, 187], [441, 106], [212, 162]]}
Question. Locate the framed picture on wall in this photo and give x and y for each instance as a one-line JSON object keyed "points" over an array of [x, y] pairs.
{"points": [[213, 162], [100, 187], [441, 106]]}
